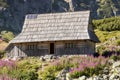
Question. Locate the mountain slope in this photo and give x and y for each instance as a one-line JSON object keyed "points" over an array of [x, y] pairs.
{"points": [[12, 12]]}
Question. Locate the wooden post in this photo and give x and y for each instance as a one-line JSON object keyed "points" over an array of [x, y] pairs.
{"points": [[15, 51]]}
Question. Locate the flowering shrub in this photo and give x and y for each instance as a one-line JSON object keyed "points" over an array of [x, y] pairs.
{"points": [[32, 69], [9, 64], [77, 66], [10, 70], [6, 78], [6, 67], [88, 66]]}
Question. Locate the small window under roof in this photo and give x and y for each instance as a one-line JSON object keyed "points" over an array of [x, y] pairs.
{"points": [[32, 16]]}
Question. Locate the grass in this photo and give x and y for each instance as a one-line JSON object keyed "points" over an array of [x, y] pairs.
{"points": [[109, 42], [3, 45], [105, 35]]}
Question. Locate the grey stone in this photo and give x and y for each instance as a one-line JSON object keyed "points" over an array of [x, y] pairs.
{"points": [[106, 72], [63, 75], [111, 61], [106, 68], [89, 78], [68, 77], [48, 57], [42, 58], [95, 78], [116, 77], [106, 77], [82, 78], [112, 77], [54, 57], [116, 64], [118, 69], [75, 79]]}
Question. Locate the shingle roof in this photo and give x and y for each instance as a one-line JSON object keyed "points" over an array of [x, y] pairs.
{"points": [[56, 27]]}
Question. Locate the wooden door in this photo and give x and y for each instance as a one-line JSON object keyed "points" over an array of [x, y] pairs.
{"points": [[52, 48]]}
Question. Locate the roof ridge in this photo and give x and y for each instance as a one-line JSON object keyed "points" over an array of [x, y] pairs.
{"points": [[60, 13]]}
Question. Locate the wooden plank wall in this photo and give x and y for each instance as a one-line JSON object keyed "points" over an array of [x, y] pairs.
{"points": [[43, 48], [82, 47]]}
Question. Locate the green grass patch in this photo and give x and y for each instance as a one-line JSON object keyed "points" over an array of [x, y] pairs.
{"points": [[106, 35]]}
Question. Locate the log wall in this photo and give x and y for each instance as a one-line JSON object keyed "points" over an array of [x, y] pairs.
{"points": [[61, 48]]}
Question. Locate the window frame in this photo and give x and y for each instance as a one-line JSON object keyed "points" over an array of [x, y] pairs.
{"points": [[70, 45], [32, 47]]}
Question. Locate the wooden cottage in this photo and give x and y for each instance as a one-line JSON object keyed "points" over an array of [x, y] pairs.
{"points": [[66, 33]]}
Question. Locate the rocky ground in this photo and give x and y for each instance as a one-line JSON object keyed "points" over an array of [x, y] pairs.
{"points": [[109, 73]]}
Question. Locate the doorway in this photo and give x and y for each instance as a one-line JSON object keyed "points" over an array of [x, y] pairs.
{"points": [[52, 48]]}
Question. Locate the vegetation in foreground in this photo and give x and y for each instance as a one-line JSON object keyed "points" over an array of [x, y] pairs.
{"points": [[34, 68]]}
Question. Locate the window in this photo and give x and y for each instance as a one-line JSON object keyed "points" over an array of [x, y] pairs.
{"points": [[70, 45], [32, 47], [32, 16]]}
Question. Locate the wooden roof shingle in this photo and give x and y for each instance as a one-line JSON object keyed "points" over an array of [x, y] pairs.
{"points": [[56, 27]]}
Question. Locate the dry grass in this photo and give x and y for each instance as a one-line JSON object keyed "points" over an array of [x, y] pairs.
{"points": [[3, 45]]}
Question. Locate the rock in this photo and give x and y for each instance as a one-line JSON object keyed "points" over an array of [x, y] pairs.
{"points": [[111, 61], [118, 70], [74, 79], [89, 78], [116, 64], [48, 57], [82, 78], [42, 58], [112, 77], [106, 77], [114, 71], [106, 72], [54, 57], [95, 78], [101, 79], [68, 77], [63, 75], [106, 68]]}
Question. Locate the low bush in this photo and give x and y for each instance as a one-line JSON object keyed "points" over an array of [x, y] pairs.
{"points": [[108, 24], [2, 54], [100, 49], [48, 75], [107, 53], [89, 67], [28, 75], [118, 42], [96, 54], [115, 57], [3, 3], [106, 36], [7, 35], [12, 70], [78, 66], [32, 68]]}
